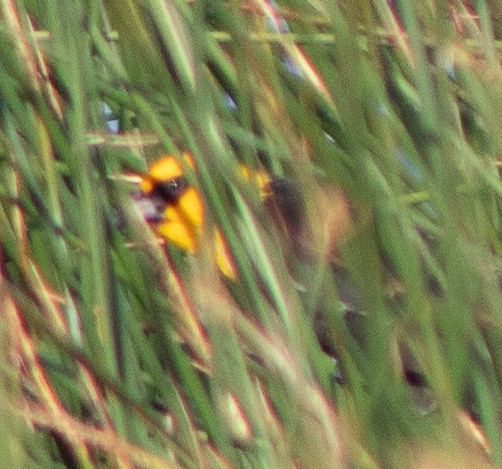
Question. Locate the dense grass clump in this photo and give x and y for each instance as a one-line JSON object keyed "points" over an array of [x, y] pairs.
{"points": [[361, 322]]}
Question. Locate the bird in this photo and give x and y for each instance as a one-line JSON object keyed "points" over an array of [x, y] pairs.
{"points": [[176, 209]]}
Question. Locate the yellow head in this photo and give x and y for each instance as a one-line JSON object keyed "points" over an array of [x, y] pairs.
{"points": [[179, 203], [181, 209]]}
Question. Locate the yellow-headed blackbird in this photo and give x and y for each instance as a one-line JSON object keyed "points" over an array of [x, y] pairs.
{"points": [[177, 210]]}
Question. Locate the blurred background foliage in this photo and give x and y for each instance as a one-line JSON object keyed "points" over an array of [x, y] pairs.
{"points": [[363, 327]]}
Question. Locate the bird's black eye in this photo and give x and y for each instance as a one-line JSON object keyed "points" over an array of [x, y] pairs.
{"points": [[170, 191]]}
